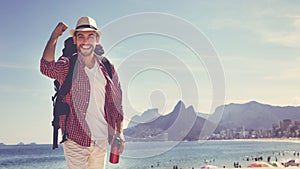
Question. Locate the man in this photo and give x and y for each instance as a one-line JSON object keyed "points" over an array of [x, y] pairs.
{"points": [[95, 98]]}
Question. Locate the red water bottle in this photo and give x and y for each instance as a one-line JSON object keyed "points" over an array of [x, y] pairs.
{"points": [[114, 150]]}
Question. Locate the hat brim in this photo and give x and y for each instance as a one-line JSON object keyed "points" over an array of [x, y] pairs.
{"points": [[85, 29]]}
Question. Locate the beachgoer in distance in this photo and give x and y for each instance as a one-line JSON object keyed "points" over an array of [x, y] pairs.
{"points": [[95, 98]]}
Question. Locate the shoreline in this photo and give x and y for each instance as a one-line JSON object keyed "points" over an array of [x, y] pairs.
{"points": [[182, 159], [291, 140]]}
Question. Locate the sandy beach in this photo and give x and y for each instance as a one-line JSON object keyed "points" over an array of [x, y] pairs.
{"points": [[294, 167], [296, 140], [282, 140]]}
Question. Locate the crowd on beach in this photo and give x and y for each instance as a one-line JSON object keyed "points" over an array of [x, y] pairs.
{"points": [[271, 159], [174, 166], [277, 157]]}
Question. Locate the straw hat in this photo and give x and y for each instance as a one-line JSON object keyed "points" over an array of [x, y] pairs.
{"points": [[86, 23]]}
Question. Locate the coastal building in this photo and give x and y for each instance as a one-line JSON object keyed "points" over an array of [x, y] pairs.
{"points": [[285, 128]]}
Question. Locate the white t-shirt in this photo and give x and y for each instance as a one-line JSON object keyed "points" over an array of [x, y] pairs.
{"points": [[95, 111]]}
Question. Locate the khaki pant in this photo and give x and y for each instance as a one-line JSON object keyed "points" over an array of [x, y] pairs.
{"points": [[79, 157]]}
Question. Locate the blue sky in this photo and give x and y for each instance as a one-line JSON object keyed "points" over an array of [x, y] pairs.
{"points": [[256, 42]]}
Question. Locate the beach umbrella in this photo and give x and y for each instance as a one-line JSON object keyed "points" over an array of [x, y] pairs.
{"points": [[259, 164], [292, 163], [277, 164], [209, 167]]}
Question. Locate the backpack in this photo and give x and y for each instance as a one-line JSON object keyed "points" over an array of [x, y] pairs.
{"points": [[60, 108]]}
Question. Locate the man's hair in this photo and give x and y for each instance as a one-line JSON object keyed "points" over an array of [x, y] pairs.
{"points": [[69, 47]]}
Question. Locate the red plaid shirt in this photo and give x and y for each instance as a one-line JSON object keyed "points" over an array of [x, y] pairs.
{"points": [[78, 98]]}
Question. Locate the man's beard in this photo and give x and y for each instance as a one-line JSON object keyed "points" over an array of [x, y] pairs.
{"points": [[84, 51]]}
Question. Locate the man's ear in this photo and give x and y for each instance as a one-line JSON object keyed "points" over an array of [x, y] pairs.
{"points": [[98, 39]]}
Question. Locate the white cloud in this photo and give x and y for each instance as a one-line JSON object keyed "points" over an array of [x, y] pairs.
{"points": [[282, 30], [15, 66], [267, 23], [284, 38], [289, 74], [15, 89], [296, 101]]}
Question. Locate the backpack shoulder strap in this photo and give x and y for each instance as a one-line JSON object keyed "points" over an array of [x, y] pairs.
{"points": [[107, 65], [69, 51], [57, 99], [66, 86]]}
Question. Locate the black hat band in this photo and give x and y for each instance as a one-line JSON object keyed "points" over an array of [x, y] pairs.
{"points": [[86, 26]]}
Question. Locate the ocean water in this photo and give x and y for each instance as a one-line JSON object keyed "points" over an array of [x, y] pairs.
{"points": [[164, 155]]}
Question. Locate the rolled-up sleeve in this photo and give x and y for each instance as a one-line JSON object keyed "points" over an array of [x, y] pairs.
{"points": [[55, 70]]}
